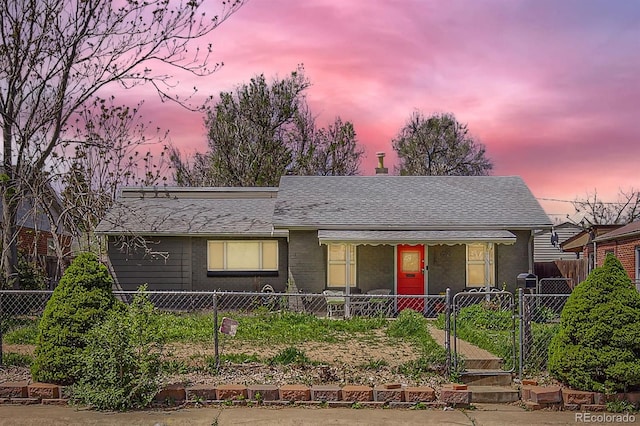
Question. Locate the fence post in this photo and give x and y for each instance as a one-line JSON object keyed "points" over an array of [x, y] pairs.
{"points": [[447, 331], [521, 332], [1, 327], [215, 330]]}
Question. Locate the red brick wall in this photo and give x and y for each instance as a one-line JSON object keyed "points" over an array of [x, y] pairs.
{"points": [[28, 239], [624, 250]]}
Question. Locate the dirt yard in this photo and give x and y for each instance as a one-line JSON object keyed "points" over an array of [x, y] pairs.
{"points": [[370, 361]]}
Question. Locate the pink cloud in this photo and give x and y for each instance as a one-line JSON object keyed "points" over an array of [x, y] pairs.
{"points": [[549, 87]]}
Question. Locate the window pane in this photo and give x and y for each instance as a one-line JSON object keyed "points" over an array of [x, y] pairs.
{"points": [[243, 255], [337, 275], [476, 275], [476, 252], [270, 255], [215, 256], [410, 262], [352, 283], [337, 252]]}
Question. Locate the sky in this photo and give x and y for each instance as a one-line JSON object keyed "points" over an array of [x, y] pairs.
{"points": [[550, 87]]}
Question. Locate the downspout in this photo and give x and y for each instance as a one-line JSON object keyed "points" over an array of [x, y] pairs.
{"points": [[530, 250]]}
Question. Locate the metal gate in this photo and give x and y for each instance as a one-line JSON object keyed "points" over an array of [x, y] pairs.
{"points": [[483, 323]]}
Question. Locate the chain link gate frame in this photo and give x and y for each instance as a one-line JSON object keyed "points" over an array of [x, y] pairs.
{"points": [[500, 318]]}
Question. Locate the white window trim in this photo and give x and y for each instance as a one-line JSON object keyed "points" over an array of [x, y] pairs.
{"points": [[348, 262], [489, 265], [260, 252]]}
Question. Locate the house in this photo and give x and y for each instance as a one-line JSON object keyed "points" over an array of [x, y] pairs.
{"points": [[196, 239], [547, 243], [624, 243], [581, 244], [547, 251], [408, 234], [37, 224]]}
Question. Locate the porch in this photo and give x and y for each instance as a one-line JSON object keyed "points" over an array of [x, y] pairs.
{"points": [[411, 263]]}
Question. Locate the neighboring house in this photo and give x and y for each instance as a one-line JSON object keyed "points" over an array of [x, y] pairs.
{"points": [[36, 232], [547, 242], [408, 234], [582, 244], [550, 260], [624, 243]]}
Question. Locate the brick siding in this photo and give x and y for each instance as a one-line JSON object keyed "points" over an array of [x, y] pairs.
{"points": [[624, 250]]}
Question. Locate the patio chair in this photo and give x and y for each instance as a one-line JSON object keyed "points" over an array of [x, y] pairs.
{"points": [[379, 305], [335, 303]]}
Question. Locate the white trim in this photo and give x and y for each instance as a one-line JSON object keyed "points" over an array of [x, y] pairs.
{"points": [[260, 268], [348, 265]]}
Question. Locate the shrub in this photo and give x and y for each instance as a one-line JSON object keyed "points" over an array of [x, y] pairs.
{"points": [[122, 365], [81, 300], [290, 355], [597, 347]]}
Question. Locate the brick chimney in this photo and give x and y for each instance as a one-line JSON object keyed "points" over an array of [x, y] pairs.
{"points": [[381, 169]]}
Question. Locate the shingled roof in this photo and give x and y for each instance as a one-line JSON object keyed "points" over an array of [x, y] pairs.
{"points": [[407, 202], [192, 212]]}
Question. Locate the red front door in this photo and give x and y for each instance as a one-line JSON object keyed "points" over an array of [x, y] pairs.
{"points": [[411, 276]]}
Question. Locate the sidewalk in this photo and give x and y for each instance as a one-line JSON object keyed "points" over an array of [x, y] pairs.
{"points": [[484, 415]]}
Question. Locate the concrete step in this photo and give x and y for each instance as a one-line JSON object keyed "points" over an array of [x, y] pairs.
{"points": [[486, 377], [483, 363], [493, 394]]}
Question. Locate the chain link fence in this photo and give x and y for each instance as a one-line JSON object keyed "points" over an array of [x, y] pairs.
{"points": [[483, 330], [295, 328], [539, 322]]}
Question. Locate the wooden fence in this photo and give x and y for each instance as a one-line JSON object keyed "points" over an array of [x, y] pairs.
{"points": [[575, 269]]}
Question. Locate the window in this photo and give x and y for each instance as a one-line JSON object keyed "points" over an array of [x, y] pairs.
{"points": [[341, 266], [480, 265], [247, 255]]}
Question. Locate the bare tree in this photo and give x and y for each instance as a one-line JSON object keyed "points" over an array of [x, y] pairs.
{"points": [[116, 151], [262, 131], [439, 146], [55, 55], [625, 209]]}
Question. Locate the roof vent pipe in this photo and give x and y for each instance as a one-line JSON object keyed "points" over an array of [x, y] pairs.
{"points": [[381, 169]]}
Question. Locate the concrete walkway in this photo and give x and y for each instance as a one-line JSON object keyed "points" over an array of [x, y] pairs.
{"points": [[490, 415], [475, 357]]}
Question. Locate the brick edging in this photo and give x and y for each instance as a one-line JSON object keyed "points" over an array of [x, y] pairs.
{"points": [[392, 395]]}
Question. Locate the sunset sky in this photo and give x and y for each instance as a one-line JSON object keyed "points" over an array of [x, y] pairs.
{"points": [[550, 87]]}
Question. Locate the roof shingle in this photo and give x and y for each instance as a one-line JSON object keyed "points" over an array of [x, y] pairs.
{"points": [[407, 202]]}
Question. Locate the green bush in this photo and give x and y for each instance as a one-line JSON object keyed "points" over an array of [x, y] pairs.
{"points": [[82, 299], [597, 347], [412, 326], [486, 317], [122, 362], [290, 355]]}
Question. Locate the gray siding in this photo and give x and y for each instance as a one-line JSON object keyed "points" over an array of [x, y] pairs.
{"points": [[545, 252], [512, 260], [447, 268], [136, 268], [307, 261], [185, 268], [375, 267]]}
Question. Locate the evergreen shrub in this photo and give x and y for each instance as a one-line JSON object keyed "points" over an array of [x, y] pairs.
{"points": [[122, 362], [81, 300], [597, 347]]}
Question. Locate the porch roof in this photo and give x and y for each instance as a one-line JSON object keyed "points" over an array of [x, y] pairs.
{"points": [[395, 237]]}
